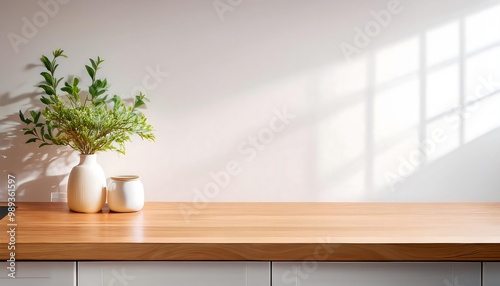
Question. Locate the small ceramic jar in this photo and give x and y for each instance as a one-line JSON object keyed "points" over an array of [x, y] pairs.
{"points": [[125, 194]]}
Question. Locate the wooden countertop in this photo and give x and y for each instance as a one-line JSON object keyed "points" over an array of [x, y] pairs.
{"points": [[261, 231]]}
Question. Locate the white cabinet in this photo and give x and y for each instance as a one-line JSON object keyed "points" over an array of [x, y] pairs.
{"points": [[207, 273], [314, 273], [163, 273], [39, 274], [491, 274]]}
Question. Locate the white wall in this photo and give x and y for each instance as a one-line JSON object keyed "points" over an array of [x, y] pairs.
{"points": [[419, 81]]}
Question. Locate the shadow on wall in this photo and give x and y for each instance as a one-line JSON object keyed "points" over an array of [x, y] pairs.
{"points": [[417, 130], [479, 175], [41, 171]]}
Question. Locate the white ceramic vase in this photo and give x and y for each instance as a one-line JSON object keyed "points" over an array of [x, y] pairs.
{"points": [[125, 194], [87, 186]]}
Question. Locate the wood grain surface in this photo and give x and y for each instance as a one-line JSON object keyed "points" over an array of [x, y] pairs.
{"points": [[260, 231]]}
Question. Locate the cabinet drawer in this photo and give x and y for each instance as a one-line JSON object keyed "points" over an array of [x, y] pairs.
{"points": [[39, 274], [162, 273], [491, 274], [314, 273]]}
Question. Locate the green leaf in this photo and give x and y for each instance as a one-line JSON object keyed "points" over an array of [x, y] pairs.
{"points": [[43, 144], [93, 64], [48, 89], [45, 100], [21, 116], [49, 129], [36, 117], [46, 63], [92, 91], [28, 132], [75, 82], [90, 71], [76, 91], [47, 77], [138, 102], [31, 140], [59, 53], [67, 89], [48, 136]]}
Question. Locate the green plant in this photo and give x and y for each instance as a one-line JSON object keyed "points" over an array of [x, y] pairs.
{"points": [[89, 121]]}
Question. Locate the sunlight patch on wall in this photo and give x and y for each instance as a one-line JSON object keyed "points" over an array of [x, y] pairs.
{"points": [[442, 137], [485, 118], [442, 90], [396, 61], [342, 80], [442, 44], [482, 74], [481, 29], [396, 110]]}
